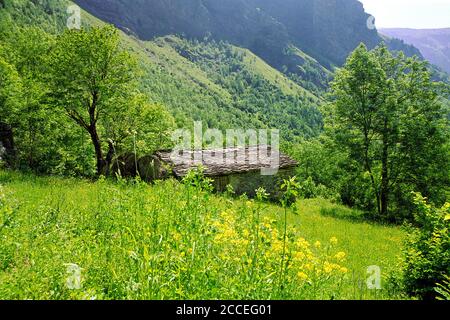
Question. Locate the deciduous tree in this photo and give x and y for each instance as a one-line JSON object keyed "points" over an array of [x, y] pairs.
{"points": [[386, 115], [93, 80]]}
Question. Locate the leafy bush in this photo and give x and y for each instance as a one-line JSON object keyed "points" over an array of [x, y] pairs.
{"points": [[196, 179], [427, 250], [319, 172], [309, 190]]}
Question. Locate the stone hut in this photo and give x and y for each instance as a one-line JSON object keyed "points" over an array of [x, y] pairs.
{"points": [[245, 169]]}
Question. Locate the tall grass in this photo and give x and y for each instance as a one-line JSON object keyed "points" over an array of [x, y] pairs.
{"points": [[177, 241]]}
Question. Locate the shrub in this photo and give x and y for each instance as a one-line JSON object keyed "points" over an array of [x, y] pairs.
{"points": [[427, 250], [310, 190], [197, 180]]}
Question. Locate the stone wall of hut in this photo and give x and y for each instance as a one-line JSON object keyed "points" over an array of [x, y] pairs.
{"points": [[247, 183]]}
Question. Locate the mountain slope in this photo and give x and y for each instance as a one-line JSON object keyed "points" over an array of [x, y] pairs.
{"points": [[434, 44], [327, 30], [192, 90], [244, 92]]}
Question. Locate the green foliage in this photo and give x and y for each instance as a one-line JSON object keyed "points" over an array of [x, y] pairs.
{"points": [[386, 119], [39, 132], [290, 188], [9, 88], [443, 289], [197, 180], [49, 15], [138, 126], [261, 194], [320, 167], [310, 190], [118, 119], [427, 250], [92, 80]]}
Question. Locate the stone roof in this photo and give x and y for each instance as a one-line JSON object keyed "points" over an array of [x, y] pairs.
{"points": [[227, 161]]}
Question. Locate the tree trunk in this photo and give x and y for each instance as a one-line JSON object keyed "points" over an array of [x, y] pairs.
{"points": [[109, 157], [369, 169], [384, 192], [7, 148], [101, 162]]}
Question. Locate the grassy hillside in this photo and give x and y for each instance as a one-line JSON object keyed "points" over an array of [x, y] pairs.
{"points": [[222, 85], [172, 241], [259, 92]]}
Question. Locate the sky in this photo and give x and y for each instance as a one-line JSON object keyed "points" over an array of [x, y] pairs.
{"points": [[418, 14]]}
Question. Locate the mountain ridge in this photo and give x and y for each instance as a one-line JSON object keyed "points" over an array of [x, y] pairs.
{"points": [[434, 44], [326, 30]]}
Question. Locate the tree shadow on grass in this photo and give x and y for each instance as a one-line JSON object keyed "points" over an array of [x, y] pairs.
{"points": [[351, 215]]}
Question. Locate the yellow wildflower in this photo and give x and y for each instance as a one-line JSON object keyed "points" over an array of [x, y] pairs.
{"points": [[274, 234], [176, 236], [310, 256], [277, 246], [308, 267], [340, 256], [317, 244], [299, 255], [333, 240], [302, 276], [302, 243], [328, 268], [343, 270]]}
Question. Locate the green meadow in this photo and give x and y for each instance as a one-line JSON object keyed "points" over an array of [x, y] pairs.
{"points": [[64, 238]]}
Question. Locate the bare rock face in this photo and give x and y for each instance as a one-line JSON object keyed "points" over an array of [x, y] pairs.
{"points": [[7, 149], [328, 30]]}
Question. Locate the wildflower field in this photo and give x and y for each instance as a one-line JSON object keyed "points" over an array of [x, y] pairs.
{"points": [[130, 240]]}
